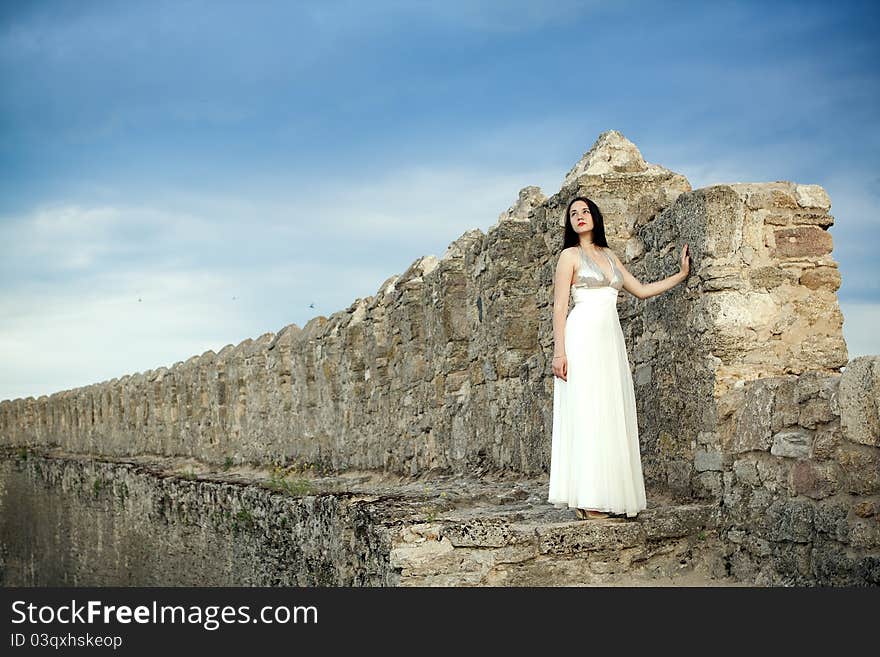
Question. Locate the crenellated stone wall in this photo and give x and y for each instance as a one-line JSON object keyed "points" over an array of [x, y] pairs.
{"points": [[447, 368]]}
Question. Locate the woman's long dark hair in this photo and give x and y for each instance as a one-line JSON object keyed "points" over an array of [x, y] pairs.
{"points": [[570, 238]]}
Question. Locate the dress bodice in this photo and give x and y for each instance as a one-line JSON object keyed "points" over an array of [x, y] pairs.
{"points": [[589, 275]]}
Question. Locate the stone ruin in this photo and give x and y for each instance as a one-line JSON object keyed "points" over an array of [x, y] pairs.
{"points": [[405, 440]]}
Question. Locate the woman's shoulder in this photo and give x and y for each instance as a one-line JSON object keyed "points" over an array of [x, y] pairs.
{"points": [[568, 258]]}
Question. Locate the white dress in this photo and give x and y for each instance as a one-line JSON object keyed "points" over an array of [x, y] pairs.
{"points": [[595, 459]]}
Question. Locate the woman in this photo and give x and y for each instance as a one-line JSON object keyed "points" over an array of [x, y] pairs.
{"points": [[595, 462]]}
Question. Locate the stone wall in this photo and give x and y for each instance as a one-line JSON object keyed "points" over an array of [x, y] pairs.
{"points": [[83, 522], [800, 472], [760, 302]]}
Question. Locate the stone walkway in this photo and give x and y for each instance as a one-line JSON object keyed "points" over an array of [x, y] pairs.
{"points": [[499, 530]]}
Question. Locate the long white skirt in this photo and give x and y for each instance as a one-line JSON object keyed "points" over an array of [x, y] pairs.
{"points": [[595, 458]]}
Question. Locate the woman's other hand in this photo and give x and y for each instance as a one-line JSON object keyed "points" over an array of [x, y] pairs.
{"points": [[685, 260], [560, 367]]}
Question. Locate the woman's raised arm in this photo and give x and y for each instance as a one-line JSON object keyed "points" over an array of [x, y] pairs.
{"points": [[645, 290]]}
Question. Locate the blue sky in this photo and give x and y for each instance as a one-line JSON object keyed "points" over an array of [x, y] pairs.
{"points": [[178, 176]]}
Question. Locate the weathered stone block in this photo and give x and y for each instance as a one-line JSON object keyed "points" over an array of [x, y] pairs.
{"points": [[815, 480], [801, 242], [812, 218], [773, 473], [861, 468], [753, 422], [678, 475], [707, 459], [790, 520], [865, 533], [831, 518], [807, 385], [746, 472], [832, 565], [759, 500], [859, 398], [480, 533], [786, 409], [708, 438], [791, 444], [812, 196], [643, 375], [681, 521], [868, 569], [708, 485], [827, 278], [815, 411], [562, 538], [735, 498], [770, 277], [792, 561], [515, 553]]}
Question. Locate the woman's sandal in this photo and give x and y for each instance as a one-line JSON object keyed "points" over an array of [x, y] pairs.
{"points": [[587, 514]]}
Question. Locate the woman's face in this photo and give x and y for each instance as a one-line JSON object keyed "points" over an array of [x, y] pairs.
{"points": [[580, 217]]}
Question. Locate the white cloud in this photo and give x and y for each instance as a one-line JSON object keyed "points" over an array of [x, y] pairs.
{"points": [[66, 237]]}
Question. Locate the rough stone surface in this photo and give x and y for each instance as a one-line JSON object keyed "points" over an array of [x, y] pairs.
{"points": [[74, 521], [612, 153], [859, 400], [529, 198], [804, 512]]}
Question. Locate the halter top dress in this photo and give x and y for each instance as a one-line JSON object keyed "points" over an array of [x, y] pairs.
{"points": [[595, 460]]}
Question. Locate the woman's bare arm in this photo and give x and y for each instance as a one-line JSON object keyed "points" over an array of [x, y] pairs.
{"points": [[561, 292], [645, 290]]}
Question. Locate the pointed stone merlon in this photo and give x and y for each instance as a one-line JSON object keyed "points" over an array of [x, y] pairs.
{"points": [[612, 154]]}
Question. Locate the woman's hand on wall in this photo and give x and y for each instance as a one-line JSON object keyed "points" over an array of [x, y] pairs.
{"points": [[685, 261]]}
